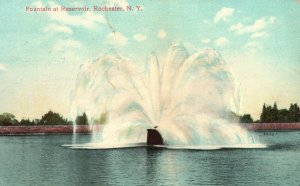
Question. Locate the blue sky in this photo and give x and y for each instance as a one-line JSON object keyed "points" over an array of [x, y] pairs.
{"points": [[41, 51]]}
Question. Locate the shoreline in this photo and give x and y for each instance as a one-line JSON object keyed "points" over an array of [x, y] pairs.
{"points": [[43, 130], [272, 126], [85, 129]]}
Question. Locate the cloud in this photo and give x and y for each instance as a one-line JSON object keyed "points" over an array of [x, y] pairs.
{"points": [[223, 14], [117, 38], [2, 67], [139, 37], [190, 46], [253, 45], [67, 43], [86, 20], [259, 35], [221, 41], [58, 28], [161, 34], [205, 40], [37, 4], [257, 26], [121, 3]]}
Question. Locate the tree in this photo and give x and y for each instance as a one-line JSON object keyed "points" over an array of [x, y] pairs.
{"points": [[283, 115], [272, 114], [275, 113], [269, 114], [246, 118], [103, 118], [52, 118], [8, 119], [263, 115], [293, 115], [85, 119], [26, 122], [82, 120]]}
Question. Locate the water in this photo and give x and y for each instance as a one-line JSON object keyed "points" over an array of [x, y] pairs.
{"points": [[191, 98], [42, 160]]}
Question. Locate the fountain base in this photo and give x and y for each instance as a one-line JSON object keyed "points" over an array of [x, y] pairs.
{"points": [[154, 137]]}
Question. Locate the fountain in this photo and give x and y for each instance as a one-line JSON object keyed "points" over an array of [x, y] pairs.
{"points": [[191, 100]]}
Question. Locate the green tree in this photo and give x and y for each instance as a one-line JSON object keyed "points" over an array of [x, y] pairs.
{"points": [[272, 114], [82, 120], [283, 115], [293, 115], [8, 119], [263, 115], [52, 118], [269, 115], [275, 113], [246, 118], [26, 122], [85, 119]]}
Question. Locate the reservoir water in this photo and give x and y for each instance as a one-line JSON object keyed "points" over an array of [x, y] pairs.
{"points": [[42, 160]]}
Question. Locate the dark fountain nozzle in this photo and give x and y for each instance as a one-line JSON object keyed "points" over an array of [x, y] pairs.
{"points": [[154, 137]]}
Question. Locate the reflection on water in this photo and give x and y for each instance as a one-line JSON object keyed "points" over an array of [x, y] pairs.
{"points": [[41, 160]]}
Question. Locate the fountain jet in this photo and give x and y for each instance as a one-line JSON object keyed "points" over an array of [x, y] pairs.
{"points": [[191, 98]]}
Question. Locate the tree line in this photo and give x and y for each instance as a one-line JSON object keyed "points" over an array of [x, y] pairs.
{"points": [[271, 114], [50, 118]]}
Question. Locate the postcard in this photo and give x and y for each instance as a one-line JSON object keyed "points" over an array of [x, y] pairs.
{"points": [[150, 92]]}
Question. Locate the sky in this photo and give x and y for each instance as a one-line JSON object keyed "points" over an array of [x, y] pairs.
{"points": [[41, 52]]}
